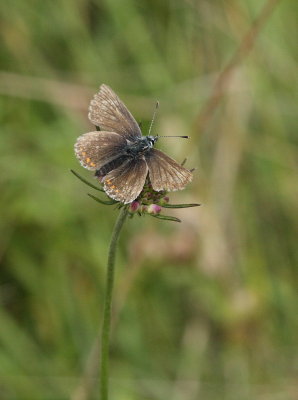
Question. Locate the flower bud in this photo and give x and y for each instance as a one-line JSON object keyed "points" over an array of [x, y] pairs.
{"points": [[144, 208], [154, 209], [164, 200], [134, 206]]}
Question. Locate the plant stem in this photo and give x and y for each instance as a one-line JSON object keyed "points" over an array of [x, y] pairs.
{"points": [[105, 336]]}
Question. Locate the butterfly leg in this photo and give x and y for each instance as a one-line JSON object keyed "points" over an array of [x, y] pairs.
{"points": [[183, 162]]}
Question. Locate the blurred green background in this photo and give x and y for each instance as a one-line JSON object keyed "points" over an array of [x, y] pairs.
{"points": [[205, 309]]}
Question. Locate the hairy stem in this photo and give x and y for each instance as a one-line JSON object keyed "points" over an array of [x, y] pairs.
{"points": [[105, 336]]}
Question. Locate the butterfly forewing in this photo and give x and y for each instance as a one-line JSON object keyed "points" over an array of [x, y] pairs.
{"points": [[108, 112], [125, 183], [95, 149], [165, 173]]}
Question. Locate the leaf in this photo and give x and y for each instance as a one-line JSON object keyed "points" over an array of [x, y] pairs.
{"points": [[180, 205], [105, 202], [165, 217], [86, 182]]}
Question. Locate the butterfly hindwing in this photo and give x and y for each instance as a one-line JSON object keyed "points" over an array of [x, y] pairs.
{"points": [[108, 112], [165, 173], [95, 149], [126, 182]]}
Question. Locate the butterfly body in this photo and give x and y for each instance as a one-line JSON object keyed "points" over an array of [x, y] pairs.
{"points": [[140, 146], [121, 156]]}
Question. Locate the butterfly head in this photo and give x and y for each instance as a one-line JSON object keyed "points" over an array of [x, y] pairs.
{"points": [[151, 140], [146, 142], [141, 146]]}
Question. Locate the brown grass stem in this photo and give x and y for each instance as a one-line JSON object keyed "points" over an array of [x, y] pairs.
{"points": [[224, 78]]}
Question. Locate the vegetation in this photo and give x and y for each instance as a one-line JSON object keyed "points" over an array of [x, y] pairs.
{"points": [[203, 309]]}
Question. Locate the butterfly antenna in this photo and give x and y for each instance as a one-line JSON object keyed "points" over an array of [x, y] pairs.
{"points": [[153, 118], [183, 137]]}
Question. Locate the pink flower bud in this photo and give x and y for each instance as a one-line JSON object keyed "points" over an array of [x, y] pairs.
{"points": [[134, 206], [154, 209]]}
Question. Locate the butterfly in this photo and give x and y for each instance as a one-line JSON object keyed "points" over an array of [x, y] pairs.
{"points": [[121, 156]]}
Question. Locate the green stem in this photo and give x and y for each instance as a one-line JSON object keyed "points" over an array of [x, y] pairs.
{"points": [[105, 336]]}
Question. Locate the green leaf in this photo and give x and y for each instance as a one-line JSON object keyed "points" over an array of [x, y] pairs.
{"points": [[105, 202], [180, 205], [165, 217], [86, 182]]}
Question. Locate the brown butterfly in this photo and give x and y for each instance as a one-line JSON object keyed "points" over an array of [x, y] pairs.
{"points": [[121, 156]]}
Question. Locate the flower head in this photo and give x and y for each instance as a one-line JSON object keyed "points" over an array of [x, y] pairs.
{"points": [[149, 202]]}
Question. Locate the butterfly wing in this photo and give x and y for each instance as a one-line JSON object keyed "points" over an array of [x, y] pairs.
{"points": [[95, 149], [108, 112], [165, 173], [126, 182]]}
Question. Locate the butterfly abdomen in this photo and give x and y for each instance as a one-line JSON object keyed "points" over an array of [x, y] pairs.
{"points": [[110, 166]]}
